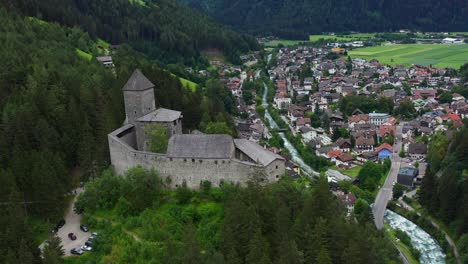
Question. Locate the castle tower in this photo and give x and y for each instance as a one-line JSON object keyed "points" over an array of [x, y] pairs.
{"points": [[138, 97]]}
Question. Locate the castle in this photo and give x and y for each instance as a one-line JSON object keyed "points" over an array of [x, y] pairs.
{"points": [[190, 158]]}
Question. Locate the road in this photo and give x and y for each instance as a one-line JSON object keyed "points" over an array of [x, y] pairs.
{"points": [[385, 192]]}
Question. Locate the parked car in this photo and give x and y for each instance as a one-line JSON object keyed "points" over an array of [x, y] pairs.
{"points": [[71, 236], [86, 248], [84, 228], [77, 251], [94, 234], [59, 225], [89, 243]]}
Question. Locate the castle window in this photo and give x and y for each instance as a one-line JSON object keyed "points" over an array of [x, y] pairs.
{"points": [[193, 160], [200, 161], [216, 162], [175, 122], [170, 159], [277, 176], [276, 166], [224, 161], [185, 160]]}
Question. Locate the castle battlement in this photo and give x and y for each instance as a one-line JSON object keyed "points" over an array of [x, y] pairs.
{"points": [[190, 158]]}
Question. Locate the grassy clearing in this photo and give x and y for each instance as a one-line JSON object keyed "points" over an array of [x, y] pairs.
{"points": [[351, 37], [186, 83], [276, 43], [402, 247], [103, 43], [84, 55], [37, 20], [138, 2], [438, 55], [353, 172]]}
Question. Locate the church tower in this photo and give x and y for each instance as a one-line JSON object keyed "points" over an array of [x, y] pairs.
{"points": [[138, 97]]}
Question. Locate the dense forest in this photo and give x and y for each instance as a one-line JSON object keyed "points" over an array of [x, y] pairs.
{"points": [[163, 29], [283, 223], [444, 190], [56, 109], [297, 19]]}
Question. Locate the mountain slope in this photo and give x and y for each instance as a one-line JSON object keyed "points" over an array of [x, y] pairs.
{"points": [[162, 28], [295, 19]]}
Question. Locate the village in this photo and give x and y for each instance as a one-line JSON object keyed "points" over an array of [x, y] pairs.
{"points": [[319, 92]]}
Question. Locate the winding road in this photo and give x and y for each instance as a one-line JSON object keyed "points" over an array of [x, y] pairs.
{"points": [[385, 192]]}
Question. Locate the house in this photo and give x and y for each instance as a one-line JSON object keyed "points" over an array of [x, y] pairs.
{"points": [[307, 134], [366, 156], [344, 160], [348, 200], [364, 144], [417, 150], [386, 130], [303, 122], [295, 112], [343, 144], [384, 151], [106, 61], [406, 176], [282, 103]]}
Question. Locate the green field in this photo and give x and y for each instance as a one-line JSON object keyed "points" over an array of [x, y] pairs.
{"points": [[353, 172], [312, 38], [437, 55], [275, 43], [351, 37]]}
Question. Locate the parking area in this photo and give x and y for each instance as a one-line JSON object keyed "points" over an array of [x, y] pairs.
{"points": [[72, 225]]}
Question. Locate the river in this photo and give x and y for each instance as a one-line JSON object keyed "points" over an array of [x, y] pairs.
{"points": [[294, 154], [431, 252]]}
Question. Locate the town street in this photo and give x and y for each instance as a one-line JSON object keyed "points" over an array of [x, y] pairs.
{"points": [[385, 192]]}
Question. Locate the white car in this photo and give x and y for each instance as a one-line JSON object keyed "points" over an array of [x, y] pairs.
{"points": [[86, 248]]}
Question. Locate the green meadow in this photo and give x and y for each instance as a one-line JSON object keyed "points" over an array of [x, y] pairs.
{"points": [[350, 37], [437, 55]]}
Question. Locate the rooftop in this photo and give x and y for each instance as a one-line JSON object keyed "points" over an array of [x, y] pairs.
{"points": [[256, 152], [408, 171], [161, 115], [138, 82], [200, 146]]}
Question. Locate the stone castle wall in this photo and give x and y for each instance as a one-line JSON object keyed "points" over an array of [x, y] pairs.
{"points": [[122, 143]]}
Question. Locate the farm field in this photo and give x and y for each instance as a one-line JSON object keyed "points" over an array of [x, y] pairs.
{"points": [[437, 55], [275, 43], [351, 37]]}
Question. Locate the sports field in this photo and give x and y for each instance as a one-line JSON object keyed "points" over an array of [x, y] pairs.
{"points": [[437, 55]]}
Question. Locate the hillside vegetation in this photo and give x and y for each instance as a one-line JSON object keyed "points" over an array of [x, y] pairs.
{"points": [[162, 29], [56, 109], [292, 19], [140, 221]]}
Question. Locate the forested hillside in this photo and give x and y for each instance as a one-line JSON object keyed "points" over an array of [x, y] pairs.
{"points": [[163, 29], [444, 190], [56, 109], [298, 19], [282, 223]]}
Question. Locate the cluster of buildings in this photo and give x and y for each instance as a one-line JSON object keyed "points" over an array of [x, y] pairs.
{"points": [[309, 86]]}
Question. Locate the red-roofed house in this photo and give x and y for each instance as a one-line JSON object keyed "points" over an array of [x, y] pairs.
{"points": [[386, 130]]}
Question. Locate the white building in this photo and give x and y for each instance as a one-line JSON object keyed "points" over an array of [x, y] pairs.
{"points": [[378, 118]]}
